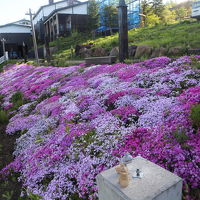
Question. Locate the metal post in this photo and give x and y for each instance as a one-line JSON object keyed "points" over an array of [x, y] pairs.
{"points": [[123, 31], [34, 37]]}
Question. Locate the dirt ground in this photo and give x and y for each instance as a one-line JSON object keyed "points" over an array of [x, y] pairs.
{"points": [[9, 189]]}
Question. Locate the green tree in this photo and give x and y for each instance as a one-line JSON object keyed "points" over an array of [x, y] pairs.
{"points": [[93, 15], [110, 14], [152, 19], [168, 15], [145, 10], [181, 13], [157, 7]]}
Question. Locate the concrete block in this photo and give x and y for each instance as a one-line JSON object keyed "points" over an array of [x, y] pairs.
{"points": [[156, 183]]}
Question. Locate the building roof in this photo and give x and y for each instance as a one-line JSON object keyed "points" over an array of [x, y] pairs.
{"points": [[60, 9], [51, 5], [19, 22], [15, 24], [22, 20]]}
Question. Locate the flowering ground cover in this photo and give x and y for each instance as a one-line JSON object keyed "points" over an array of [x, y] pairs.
{"points": [[76, 122]]}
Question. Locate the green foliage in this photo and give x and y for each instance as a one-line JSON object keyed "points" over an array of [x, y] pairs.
{"points": [[152, 19], [181, 13], [93, 15], [195, 116], [196, 65], [1, 148], [155, 12], [29, 196], [145, 7], [168, 15], [31, 62], [8, 195], [3, 117], [81, 70], [166, 36], [110, 17], [157, 7], [18, 100], [128, 61], [86, 139], [34, 197], [1, 67], [16, 97], [180, 136], [75, 197]]}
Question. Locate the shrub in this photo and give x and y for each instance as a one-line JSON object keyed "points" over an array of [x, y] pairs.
{"points": [[17, 99], [180, 136], [195, 116], [3, 117], [196, 65]]}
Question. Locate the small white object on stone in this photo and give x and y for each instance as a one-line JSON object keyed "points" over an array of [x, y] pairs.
{"points": [[156, 183]]}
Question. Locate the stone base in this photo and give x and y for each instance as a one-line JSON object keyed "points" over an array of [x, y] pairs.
{"points": [[156, 183]]}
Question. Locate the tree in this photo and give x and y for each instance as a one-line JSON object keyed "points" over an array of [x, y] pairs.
{"points": [[146, 8], [110, 16], [152, 19], [181, 13], [168, 15], [93, 15], [157, 7]]}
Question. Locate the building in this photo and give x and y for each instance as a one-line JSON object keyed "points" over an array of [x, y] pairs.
{"points": [[16, 34], [196, 9], [60, 18]]}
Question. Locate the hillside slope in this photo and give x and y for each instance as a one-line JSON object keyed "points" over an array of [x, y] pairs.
{"points": [[185, 34]]}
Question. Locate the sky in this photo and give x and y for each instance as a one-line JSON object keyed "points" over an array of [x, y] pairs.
{"points": [[14, 10]]}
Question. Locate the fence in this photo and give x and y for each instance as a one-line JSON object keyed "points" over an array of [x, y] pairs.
{"points": [[4, 58]]}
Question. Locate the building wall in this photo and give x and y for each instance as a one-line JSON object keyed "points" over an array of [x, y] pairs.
{"points": [[79, 9], [79, 22], [196, 9], [14, 42], [46, 10], [67, 24], [39, 30], [15, 29]]}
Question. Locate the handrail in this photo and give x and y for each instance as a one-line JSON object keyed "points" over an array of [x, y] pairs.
{"points": [[4, 58]]}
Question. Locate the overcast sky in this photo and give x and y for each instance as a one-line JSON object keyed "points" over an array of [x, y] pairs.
{"points": [[14, 10]]}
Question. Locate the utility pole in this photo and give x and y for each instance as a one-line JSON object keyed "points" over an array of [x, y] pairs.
{"points": [[34, 37], [123, 31]]}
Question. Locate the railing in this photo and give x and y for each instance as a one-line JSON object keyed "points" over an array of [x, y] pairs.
{"points": [[4, 58]]}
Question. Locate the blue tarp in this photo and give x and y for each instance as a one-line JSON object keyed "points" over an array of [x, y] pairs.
{"points": [[133, 9]]}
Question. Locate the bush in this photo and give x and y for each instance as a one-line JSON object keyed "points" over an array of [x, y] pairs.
{"points": [[195, 116], [18, 100], [16, 97], [3, 117]]}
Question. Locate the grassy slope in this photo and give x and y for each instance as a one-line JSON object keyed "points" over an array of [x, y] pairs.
{"points": [[185, 34]]}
